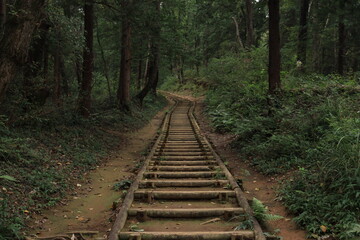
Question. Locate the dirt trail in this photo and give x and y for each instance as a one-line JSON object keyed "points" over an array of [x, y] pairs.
{"points": [[256, 185], [90, 207]]}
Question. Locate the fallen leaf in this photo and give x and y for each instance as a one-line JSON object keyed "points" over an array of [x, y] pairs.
{"points": [[323, 228]]}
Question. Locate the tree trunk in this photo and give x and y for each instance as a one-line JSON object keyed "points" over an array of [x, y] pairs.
{"points": [[316, 39], [341, 35], [123, 93], [250, 37], [57, 79], [106, 65], [140, 74], [237, 31], [88, 64], [274, 46], [14, 47], [302, 37], [153, 73], [2, 16]]}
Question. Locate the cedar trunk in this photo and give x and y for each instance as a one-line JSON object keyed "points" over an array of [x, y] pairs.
{"points": [[274, 46], [123, 93], [14, 47], [341, 34], [2, 16], [302, 38], [154, 58], [88, 64], [250, 37]]}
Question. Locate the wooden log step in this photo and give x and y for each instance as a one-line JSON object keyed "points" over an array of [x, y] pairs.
{"points": [[227, 213], [175, 195], [183, 163], [184, 183], [181, 168], [182, 150], [158, 174], [184, 157], [189, 153], [232, 235]]}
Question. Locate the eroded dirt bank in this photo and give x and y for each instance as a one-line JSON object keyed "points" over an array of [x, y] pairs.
{"points": [[90, 207]]}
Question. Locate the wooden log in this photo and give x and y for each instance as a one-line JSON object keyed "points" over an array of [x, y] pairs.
{"points": [[143, 194], [184, 183], [209, 174], [239, 235], [228, 213]]}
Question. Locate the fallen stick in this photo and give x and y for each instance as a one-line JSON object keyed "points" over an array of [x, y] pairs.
{"points": [[211, 221]]}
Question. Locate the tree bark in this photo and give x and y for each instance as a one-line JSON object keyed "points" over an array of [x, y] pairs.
{"points": [[57, 79], [316, 39], [341, 35], [274, 46], [88, 64], [2, 16], [106, 65], [302, 37], [250, 37], [14, 47], [153, 73], [140, 74], [123, 93], [237, 31]]}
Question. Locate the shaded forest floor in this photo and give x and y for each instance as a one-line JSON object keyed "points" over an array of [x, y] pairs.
{"points": [[53, 159]]}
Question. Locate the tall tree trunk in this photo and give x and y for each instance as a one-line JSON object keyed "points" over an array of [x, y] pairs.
{"points": [[341, 35], [153, 74], [316, 39], [250, 37], [57, 79], [274, 46], [88, 64], [140, 74], [302, 37], [106, 65], [237, 32], [14, 47], [2, 16], [123, 93]]}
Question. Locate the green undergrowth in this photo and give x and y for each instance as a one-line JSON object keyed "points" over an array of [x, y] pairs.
{"points": [[311, 130], [193, 84], [49, 155]]}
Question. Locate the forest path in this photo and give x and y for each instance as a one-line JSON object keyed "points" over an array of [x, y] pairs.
{"points": [[184, 190]]}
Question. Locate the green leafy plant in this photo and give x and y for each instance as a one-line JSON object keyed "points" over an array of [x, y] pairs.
{"points": [[261, 212], [122, 185]]}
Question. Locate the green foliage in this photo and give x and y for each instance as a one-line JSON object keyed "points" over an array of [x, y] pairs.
{"points": [[122, 185], [261, 212], [312, 129]]}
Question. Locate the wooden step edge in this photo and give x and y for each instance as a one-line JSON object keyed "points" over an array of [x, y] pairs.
{"points": [[183, 183], [226, 213], [231, 235]]}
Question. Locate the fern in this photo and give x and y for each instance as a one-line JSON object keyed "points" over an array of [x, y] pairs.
{"points": [[261, 212]]}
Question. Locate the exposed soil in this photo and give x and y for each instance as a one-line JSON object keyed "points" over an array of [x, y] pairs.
{"points": [[255, 184], [90, 207]]}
